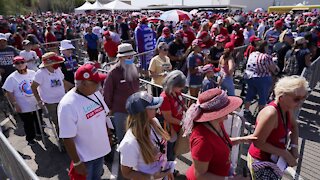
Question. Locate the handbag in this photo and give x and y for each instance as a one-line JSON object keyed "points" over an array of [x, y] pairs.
{"points": [[182, 145], [265, 170]]}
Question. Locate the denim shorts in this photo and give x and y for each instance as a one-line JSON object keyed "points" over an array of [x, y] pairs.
{"points": [[260, 86]]}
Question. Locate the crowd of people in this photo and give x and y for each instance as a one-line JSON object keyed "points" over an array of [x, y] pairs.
{"points": [[195, 56]]}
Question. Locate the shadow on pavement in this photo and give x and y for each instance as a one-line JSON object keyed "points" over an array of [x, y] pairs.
{"points": [[51, 162]]}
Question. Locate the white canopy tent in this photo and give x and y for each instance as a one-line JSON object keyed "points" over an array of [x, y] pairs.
{"points": [[86, 6], [119, 6], [96, 6]]}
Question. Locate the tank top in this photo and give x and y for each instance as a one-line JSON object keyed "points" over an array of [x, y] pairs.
{"points": [[277, 136]]}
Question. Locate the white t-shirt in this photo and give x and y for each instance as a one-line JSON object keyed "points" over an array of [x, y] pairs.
{"points": [[51, 87], [131, 156], [20, 86], [85, 121], [31, 58]]}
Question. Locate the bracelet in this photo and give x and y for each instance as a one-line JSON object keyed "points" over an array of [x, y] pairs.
{"points": [[293, 146], [77, 163]]}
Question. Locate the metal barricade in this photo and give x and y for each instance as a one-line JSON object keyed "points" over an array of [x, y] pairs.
{"points": [[238, 55], [12, 163], [311, 73], [79, 50]]}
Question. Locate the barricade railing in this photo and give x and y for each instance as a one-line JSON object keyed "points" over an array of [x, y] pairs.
{"points": [[79, 51], [311, 73], [238, 55], [14, 166]]}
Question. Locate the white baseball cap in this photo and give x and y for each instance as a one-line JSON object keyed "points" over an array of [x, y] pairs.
{"points": [[3, 37]]}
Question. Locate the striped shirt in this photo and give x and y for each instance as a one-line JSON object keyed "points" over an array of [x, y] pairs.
{"points": [[258, 65]]}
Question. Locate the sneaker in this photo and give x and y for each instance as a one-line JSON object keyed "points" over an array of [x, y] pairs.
{"points": [[249, 117], [31, 143]]}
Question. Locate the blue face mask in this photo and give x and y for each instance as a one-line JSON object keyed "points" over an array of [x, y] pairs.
{"points": [[128, 61]]}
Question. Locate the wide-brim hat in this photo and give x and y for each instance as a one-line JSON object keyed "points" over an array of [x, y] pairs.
{"points": [[125, 49], [65, 45], [229, 105], [50, 58]]}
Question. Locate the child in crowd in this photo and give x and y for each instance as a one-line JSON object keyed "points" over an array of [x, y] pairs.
{"points": [[210, 81], [29, 55]]}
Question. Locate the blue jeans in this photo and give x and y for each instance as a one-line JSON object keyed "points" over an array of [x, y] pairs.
{"points": [[260, 86], [227, 85], [119, 122], [94, 169]]}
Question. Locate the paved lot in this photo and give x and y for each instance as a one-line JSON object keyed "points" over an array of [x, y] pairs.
{"points": [[48, 163]]}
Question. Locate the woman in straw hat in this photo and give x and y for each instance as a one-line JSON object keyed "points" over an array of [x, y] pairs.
{"points": [[209, 143], [48, 85]]}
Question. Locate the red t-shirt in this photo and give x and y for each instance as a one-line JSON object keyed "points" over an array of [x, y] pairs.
{"points": [[50, 37], [111, 48], [237, 39], [190, 37], [174, 105], [207, 146]]}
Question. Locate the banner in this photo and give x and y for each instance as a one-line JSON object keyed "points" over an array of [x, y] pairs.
{"points": [[145, 41]]}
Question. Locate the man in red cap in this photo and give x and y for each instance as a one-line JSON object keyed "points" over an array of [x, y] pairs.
{"points": [[248, 32], [83, 124], [272, 35], [190, 36], [110, 47], [237, 36], [166, 36], [177, 50]]}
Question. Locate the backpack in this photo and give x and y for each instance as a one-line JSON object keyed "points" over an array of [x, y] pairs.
{"points": [[291, 66]]}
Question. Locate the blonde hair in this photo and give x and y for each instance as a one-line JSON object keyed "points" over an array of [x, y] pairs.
{"points": [[290, 84], [140, 127]]}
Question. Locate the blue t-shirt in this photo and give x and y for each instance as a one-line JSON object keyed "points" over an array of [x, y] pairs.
{"points": [[208, 84], [194, 61], [91, 40]]}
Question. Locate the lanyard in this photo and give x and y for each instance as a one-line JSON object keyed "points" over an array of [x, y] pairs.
{"points": [[224, 139], [158, 142], [284, 123], [98, 103], [179, 102]]}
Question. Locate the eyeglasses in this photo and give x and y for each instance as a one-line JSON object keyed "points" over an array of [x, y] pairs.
{"points": [[17, 63]]}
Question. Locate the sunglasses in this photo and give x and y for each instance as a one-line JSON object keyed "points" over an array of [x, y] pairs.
{"points": [[17, 63], [298, 98]]}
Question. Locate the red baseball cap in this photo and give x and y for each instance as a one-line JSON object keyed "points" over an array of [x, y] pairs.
{"points": [[278, 24], [229, 46], [220, 38], [198, 42], [18, 59], [106, 33], [166, 31], [254, 39], [89, 72], [203, 34]]}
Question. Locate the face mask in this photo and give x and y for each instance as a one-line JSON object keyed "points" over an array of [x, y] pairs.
{"points": [[128, 61], [56, 66]]}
